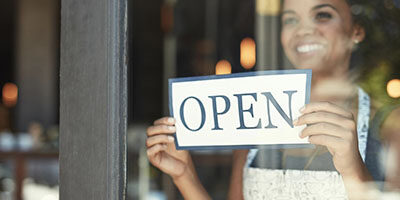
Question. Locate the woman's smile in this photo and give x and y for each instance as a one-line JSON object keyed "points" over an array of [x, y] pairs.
{"points": [[308, 52], [308, 48]]}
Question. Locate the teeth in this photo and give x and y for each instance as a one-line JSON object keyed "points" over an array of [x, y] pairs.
{"points": [[308, 48]]}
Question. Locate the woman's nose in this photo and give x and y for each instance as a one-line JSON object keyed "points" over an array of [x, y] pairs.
{"points": [[305, 29]]}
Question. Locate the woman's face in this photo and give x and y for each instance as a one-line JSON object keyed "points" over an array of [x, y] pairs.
{"points": [[319, 34]]}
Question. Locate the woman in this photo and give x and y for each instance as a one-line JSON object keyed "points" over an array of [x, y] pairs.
{"points": [[318, 35]]}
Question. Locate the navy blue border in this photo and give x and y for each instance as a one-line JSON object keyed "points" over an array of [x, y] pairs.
{"points": [[308, 72]]}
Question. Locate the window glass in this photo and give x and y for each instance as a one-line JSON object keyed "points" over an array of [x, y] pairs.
{"points": [[352, 46]]}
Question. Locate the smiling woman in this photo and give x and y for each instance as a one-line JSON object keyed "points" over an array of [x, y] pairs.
{"points": [[320, 35]]}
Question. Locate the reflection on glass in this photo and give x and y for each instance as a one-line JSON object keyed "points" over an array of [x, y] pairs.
{"points": [[393, 88], [10, 94], [248, 53], [223, 67]]}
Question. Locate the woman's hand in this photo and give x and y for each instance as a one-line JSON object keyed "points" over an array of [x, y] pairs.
{"points": [[334, 127], [162, 153], [161, 149]]}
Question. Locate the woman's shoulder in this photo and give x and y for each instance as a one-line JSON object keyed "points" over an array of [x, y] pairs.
{"points": [[389, 132], [382, 126], [391, 124], [384, 119]]}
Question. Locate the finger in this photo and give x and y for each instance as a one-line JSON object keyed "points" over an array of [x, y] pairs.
{"points": [[328, 117], [327, 107], [326, 140], [326, 129], [160, 129], [159, 139], [155, 149], [165, 120]]}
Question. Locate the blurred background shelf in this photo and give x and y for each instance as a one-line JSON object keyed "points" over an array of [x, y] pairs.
{"points": [[20, 161]]}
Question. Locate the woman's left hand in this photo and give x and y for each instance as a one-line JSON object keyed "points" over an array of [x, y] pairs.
{"points": [[334, 127]]}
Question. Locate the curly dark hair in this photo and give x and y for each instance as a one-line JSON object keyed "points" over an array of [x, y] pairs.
{"points": [[364, 14]]}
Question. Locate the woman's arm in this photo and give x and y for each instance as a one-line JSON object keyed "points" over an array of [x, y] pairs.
{"points": [[178, 164], [190, 186], [236, 183], [390, 131]]}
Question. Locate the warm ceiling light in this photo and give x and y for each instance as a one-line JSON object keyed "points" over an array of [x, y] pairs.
{"points": [[393, 88], [10, 94], [223, 67], [248, 53], [268, 7]]}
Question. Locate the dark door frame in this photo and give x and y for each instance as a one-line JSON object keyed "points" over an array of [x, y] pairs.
{"points": [[93, 99]]}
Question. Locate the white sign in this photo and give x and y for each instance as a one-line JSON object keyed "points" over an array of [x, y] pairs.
{"points": [[242, 110]]}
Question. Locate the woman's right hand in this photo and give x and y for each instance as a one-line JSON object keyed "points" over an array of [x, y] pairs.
{"points": [[161, 149], [162, 153]]}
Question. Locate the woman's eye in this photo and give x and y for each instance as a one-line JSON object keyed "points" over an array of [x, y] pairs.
{"points": [[288, 21], [323, 16]]}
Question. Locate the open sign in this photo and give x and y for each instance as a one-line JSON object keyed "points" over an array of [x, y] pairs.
{"points": [[242, 110]]}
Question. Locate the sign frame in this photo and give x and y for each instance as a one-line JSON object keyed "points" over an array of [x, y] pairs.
{"points": [[307, 72]]}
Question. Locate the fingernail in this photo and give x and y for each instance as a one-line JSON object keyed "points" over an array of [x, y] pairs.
{"points": [[300, 134], [170, 138], [302, 109], [172, 128], [171, 120], [295, 121]]}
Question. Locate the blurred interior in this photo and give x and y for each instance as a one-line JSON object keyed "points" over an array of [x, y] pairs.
{"points": [[29, 99], [168, 38]]}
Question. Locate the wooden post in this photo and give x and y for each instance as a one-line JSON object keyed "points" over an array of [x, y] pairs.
{"points": [[267, 29], [93, 99]]}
